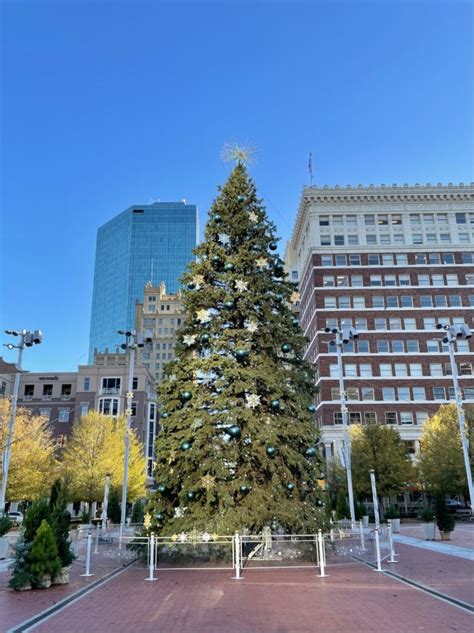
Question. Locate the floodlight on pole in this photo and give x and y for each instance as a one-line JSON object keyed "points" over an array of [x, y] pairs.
{"points": [[27, 339], [453, 333], [343, 336]]}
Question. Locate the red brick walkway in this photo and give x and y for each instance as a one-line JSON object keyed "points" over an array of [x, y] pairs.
{"points": [[353, 599]]}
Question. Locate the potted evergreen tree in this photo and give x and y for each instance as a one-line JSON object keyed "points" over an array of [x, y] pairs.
{"points": [[393, 515], [444, 519], [20, 579], [5, 526], [427, 517], [365, 515], [60, 521], [43, 559]]}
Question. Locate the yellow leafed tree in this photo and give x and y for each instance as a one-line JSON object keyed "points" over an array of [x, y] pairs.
{"points": [[95, 448], [33, 467]]}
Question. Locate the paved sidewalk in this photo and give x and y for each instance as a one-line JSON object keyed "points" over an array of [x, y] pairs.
{"points": [[353, 599], [435, 546], [462, 536]]}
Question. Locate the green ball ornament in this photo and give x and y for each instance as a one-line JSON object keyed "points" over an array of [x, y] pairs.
{"points": [[241, 354], [255, 248], [273, 246], [295, 322], [159, 516], [229, 267], [271, 451], [275, 405], [310, 452], [205, 338], [312, 408], [190, 495], [234, 430], [290, 486], [278, 270], [240, 198], [191, 286], [186, 396], [229, 304], [161, 488], [322, 476], [216, 260], [185, 446], [274, 525], [217, 218], [286, 347], [164, 415], [278, 298], [319, 503], [244, 489]]}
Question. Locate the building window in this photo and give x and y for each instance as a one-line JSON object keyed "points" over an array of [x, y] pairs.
{"points": [[325, 240], [84, 410], [460, 218], [423, 280], [375, 280], [465, 369], [395, 323], [323, 220], [432, 346], [382, 347], [365, 370], [108, 406], [370, 417], [452, 279], [406, 417], [326, 260], [337, 417], [357, 281], [134, 383], [368, 393], [409, 323], [354, 417], [354, 260], [373, 259], [363, 347], [390, 417], [413, 346], [29, 390], [328, 280], [398, 347], [421, 417], [87, 384], [47, 391], [358, 302], [455, 301], [416, 369], [342, 280], [426, 301], [434, 258], [45, 413], [404, 394], [410, 447], [448, 258], [419, 393], [467, 258], [392, 302], [350, 369], [379, 324], [436, 369], [468, 393], [388, 393], [401, 369], [439, 393], [390, 280], [330, 302], [340, 260], [333, 370], [111, 385], [63, 415], [378, 301], [404, 280], [339, 240]]}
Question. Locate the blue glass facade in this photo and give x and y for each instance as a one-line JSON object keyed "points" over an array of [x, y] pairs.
{"points": [[152, 242]]}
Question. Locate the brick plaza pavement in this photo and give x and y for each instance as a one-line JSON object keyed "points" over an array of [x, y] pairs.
{"points": [[463, 535], [353, 599]]}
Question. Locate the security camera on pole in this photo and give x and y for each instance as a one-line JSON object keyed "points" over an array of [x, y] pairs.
{"points": [[27, 339], [459, 332], [343, 336], [133, 340]]}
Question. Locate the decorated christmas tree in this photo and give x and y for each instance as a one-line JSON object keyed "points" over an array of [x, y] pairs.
{"points": [[238, 449]]}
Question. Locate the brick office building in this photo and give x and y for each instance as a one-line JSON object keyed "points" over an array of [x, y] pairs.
{"points": [[393, 262]]}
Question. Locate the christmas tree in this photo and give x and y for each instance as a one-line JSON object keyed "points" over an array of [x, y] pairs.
{"points": [[238, 445]]}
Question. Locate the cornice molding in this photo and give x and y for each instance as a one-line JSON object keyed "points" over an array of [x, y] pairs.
{"points": [[378, 194]]}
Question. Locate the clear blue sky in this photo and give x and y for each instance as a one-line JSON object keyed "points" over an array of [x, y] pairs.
{"points": [[109, 104]]}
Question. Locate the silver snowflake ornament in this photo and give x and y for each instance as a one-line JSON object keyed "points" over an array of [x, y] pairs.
{"points": [[253, 400]]}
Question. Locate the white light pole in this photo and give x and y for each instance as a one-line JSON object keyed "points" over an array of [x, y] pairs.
{"points": [[27, 339], [453, 333], [105, 503], [343, 336], [133, 340]]}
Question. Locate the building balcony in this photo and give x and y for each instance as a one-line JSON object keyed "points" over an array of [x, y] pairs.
{"points": [[47, 398], [27, 398], [110, 391], [66, 396]]}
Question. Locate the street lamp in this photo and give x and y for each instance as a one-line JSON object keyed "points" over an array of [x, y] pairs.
{"points": [[133, 340], [27, 339], [345, 335], [453, 333]]}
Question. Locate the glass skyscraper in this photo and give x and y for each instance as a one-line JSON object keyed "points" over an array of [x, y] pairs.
{"points": [[152, 242]]}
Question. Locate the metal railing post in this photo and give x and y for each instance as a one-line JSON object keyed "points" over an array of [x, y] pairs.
{"points": [[88, 556], [362, 538], [377, 550], [151, 558], [238, 557], [390, 543], [322, 555]]}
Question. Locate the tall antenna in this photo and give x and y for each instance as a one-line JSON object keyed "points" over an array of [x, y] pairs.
{"points": [[310, 167]]}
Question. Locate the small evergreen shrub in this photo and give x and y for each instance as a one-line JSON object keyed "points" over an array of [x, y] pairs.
{"points": [[43, 557], [114, 508], [426, 514], [392, 513], [138, 512], [444, 519], [5, 525], [36, 513], [21, 575]]}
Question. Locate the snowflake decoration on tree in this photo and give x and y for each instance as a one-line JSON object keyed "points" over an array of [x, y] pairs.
{"points": [[241, 154], [251, 326], [183, 537], [253, 400], [203, 315], [208, 482], [262, 262], [253, 217], [196, 425], [241, 285], [189, 339], [198, 280], [295, 297], [206, 537], [224, 239]]}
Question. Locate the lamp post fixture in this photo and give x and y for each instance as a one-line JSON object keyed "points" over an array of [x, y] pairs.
{"points": [[453, 333], [343, 336], [133, 340], [27, 339]]}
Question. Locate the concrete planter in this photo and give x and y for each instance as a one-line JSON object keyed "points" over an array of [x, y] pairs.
{"points": [[365, 521], [429, 530], [45, 582], [395, 525], [62, 578], [4, 546], [445, 536]]}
